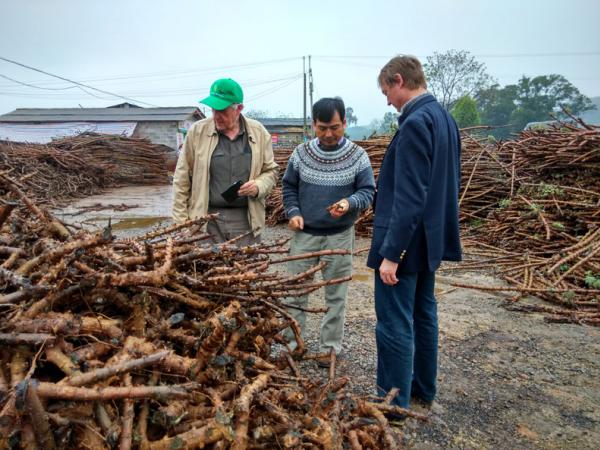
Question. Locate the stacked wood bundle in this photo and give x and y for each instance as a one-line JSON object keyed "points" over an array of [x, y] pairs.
{"points": [[83, 165], [487, 179], [274, 205], [530, 209], [159, 342], [562, 148], [544, 239]]}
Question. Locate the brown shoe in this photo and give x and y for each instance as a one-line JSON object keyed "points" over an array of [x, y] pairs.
{"points": [[325, 360]]}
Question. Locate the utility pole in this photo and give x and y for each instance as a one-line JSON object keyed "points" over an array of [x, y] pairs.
{"points": [[304, 85], [310, 84]]}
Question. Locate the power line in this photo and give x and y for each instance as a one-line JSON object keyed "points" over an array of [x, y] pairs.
{"points": [[273, 89], [50, 89], [75, 82], [196, 89], [164, 75], [162, 93], [488, 55], [36, 87]]}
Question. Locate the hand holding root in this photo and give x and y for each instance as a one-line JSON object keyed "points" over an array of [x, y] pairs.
{"points": [[339, 208]]}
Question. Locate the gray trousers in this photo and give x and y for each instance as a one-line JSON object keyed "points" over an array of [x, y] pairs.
{"points": [[231, 223], [332, 325]]}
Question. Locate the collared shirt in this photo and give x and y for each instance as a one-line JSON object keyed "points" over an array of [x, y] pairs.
{"points": [[412, 101], [229, 163]]}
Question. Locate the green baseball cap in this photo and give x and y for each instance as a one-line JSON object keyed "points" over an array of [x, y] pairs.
{"points": [[224, 93]]}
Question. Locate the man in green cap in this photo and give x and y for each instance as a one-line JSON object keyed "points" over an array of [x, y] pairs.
{"points": [[226, 166]]}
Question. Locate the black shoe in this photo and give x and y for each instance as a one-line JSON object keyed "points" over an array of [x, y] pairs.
{"points": [[418, 401]]}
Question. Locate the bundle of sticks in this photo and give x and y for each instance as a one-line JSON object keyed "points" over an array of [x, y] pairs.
{"points": [[487, 179], [82, 165], [162, 341], [275, 213], [543, 236], [529, 209]]}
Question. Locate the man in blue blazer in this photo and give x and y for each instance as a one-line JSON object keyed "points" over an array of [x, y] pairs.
{"points": [[415, 228]]}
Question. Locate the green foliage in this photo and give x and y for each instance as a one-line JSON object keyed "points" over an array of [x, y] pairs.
{"points": [[504, 203], [465, 112], [568, 295], [453, 75], [475, 223], [388, 125], [496, 104], [545, 94], [546, 190], [263, 113], [256, 113], [530, 100], [535, 207], [592, 280], [558, 226], [564, 267], [350, 117]]}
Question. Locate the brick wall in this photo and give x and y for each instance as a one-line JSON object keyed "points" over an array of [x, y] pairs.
{"points": [[158, 132]]}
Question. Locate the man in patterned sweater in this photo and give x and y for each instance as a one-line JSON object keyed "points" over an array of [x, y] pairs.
{"points": [[327, 183]]}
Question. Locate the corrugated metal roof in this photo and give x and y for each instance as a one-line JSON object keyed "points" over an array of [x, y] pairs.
{"points": [[44, 133], [101, 114]]}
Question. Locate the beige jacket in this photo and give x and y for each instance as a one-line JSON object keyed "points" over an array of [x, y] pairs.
{"points": [[190, 181]]}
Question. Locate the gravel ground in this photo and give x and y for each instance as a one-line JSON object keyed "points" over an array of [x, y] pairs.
{"points": [[506, 379]]}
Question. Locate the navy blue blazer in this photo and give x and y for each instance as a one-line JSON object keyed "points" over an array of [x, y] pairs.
{"points": [[416, 206]]}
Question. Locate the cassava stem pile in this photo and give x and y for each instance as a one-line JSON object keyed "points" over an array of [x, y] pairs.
{"points": [[159, 342], [82, 165], [529, 209]]}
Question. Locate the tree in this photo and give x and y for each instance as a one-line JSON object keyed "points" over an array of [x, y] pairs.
{"points": [[540, 97], [389, 123], [454, 74], [256, 113], [374, 126], [530, 100], [263, 113], [350, 117], [496, 104], [465, 112]]}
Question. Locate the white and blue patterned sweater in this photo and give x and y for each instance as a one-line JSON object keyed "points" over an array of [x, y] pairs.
{"points": [[316, 178]]}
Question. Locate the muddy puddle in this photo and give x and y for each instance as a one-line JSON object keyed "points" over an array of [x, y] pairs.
{"points": [[364, 276], [138, 223], [131, 210]]}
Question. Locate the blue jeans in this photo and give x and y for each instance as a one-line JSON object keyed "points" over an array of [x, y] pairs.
{"points": [[407, 336]]}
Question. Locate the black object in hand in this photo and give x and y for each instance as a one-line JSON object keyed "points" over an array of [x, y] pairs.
{"points": [[231, 193]]}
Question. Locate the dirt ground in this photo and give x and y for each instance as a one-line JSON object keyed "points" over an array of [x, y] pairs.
{"points": [[506, 379]]}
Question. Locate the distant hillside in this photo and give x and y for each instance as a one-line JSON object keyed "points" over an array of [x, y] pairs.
{"points": [[593, 116], [359, 132]]}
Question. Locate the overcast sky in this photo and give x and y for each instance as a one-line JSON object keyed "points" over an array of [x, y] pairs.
{"points": [[168, 53]]}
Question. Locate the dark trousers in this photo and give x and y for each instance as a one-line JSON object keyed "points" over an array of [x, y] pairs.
{"points": [[407, 336], [230, 223]]}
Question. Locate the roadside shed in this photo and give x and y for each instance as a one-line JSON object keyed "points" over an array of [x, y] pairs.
{"points": [[165, 125]]}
